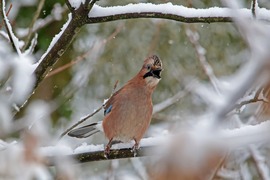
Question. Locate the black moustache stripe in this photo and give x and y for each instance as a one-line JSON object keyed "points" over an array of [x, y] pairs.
{"points": [[147, 74]]}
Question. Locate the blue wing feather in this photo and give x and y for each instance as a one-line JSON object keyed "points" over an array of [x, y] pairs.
{"points": [[108, 110]]}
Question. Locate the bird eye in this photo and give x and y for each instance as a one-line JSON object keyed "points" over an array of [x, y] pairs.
{"points": [[148, 66]]}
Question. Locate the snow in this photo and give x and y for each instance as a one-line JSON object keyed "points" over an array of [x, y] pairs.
{"points": [[58, 150], [76, 3], [56, 37], [169, 8], [246, 135], [88, 148], [23, 79], [233, 139], [16, 41]]}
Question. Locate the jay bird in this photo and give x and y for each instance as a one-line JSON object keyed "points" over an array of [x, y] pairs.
{"points": [[127, 114]]}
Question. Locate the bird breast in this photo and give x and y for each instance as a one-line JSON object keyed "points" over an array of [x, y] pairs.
{"points": [[130, 115]]}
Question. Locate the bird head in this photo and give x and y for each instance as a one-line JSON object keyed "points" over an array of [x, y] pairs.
{"points": [[151, 70]]}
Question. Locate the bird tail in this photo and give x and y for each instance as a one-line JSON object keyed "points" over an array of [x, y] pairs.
{"points": [[86, 131]]}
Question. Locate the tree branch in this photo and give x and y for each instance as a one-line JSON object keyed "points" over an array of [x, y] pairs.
{"points": [[97, 14], [176, 13], [99, 155], [159, 15], [13, 39], [254, 5]]}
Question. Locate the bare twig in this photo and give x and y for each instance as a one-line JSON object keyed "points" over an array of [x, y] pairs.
{"points": [[174, 99], [89, 115], [10, 6], [69, 6], [30, 30], [90, 3], [255, 99], [112, 170], [32, 45], [12, 38], [54, 16], [139, 168], [155, 39], [83, 56], [260, 163], [168, 102], [193, 37], [253, 7]]}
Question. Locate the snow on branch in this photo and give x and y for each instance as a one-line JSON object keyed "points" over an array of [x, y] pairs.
{"points": [[172, 12], [92, 13], [228, 139], [13, 39]]}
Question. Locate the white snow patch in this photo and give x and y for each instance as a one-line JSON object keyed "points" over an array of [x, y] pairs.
{"points": [[168, 8], [88, 148], [58, 150], [16, 41], [56, 37], [76, 3], [23, 79]]}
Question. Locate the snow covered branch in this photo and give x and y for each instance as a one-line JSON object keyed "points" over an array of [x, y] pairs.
{"points": [[227, 139], [98, 155], [171, 12], [81, 15]]}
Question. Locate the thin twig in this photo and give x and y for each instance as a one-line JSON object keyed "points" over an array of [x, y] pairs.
{"points": [[83, 56], [260, 163], [253, 8], [69, 6], [30, 31], [89, 4], [41, 23], [89, 115], [253, 100], [193, 37], [32, 45], [12, 37], [169, 102], [155, 38]]}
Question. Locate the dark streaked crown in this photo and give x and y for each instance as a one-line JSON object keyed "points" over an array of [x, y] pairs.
{"points": [[157, 61]]}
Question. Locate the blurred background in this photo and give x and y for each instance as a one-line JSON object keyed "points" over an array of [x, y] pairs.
{"points": [[104, 53]]}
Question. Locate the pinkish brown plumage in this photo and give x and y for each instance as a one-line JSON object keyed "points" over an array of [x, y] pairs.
{"points": [[129, 111]]}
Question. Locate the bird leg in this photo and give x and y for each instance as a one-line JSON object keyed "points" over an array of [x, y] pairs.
{"points": [[107, 149], [135, 147]]}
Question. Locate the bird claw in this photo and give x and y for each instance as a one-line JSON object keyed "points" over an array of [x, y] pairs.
{"points": [[107, 151], [135, 149]]}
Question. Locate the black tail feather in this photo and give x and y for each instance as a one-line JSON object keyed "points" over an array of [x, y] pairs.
{"points": [[84, 132]]}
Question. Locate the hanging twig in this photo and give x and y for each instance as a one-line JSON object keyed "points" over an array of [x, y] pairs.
{"points": [[10, 6], [260, 163], [193, 37], [255, 99], [89, 115], [13, 39], [84, 55], [30, 30], [253, 8]]}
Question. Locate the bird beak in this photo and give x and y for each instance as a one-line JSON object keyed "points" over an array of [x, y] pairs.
{"points": [[157, 72]]}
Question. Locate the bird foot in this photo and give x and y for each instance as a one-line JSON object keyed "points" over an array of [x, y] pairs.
{"points": [[135, 149], [106, 152], [107, 149]]}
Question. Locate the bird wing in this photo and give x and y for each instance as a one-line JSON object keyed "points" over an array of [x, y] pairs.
{"points": [[109, 104], [85, 131]]}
